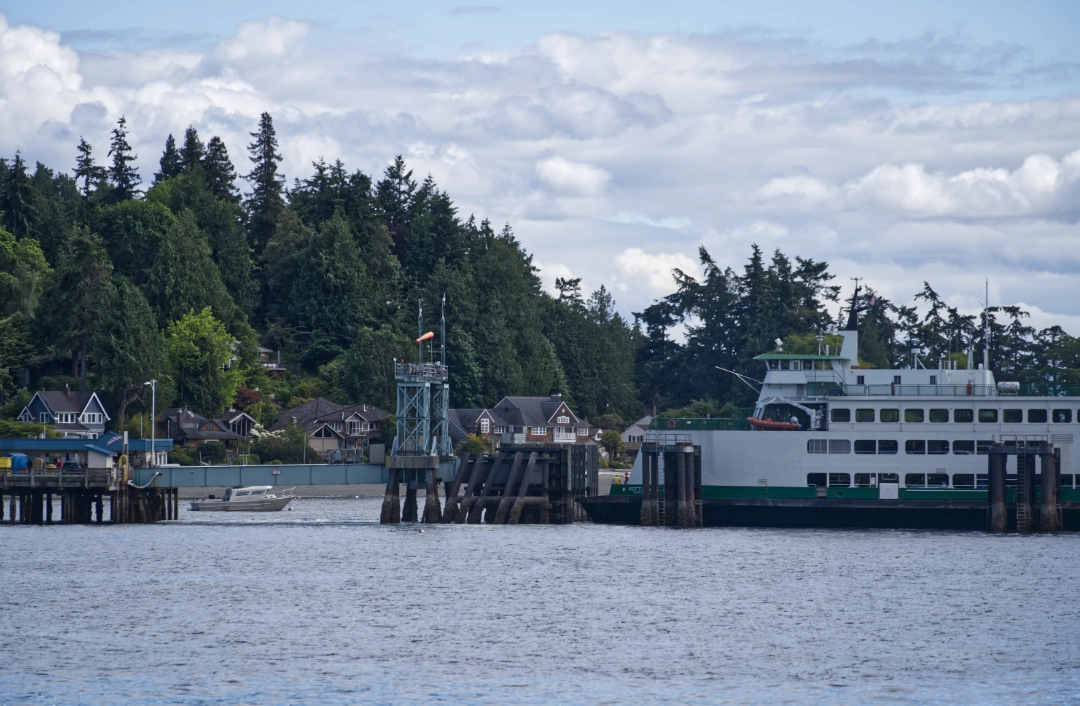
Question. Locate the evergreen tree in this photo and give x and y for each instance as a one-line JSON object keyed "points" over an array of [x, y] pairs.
{"points": [[17, 204], [193, 151], [132, 231], [394, 196], [266, 201], [184, 277], [330, 289], [81, 294], [128, 347], [23, 273], [219, 172], [124, 177], [171, 162], [92, 175]]}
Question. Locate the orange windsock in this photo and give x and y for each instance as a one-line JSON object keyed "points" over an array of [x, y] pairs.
{"points": [[426, 336]]}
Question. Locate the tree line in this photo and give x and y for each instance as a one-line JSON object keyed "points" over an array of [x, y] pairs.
{"points": [[107, 281]]}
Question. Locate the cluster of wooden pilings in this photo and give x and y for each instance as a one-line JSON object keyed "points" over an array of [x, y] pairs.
{"points": [[677, 503], [29, 498], [1037, 506], [517, 485]]}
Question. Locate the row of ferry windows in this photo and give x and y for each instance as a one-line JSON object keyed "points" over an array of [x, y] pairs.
{"points": [[960, 416], [968, 481], [917, 447]]}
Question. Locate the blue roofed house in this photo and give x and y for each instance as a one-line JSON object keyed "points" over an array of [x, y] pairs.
{"points": [[76, 415]]}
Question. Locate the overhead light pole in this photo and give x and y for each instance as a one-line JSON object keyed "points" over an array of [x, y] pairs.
{"points": [[153, 421]]}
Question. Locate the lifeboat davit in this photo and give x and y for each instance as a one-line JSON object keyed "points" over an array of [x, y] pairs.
{"points": [[770, 425]]}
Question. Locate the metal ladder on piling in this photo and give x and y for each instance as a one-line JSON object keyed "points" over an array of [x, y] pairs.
{"points": [[1023, 519]]}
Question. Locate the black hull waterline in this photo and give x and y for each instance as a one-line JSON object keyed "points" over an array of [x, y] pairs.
{"points": [[889, 514]]}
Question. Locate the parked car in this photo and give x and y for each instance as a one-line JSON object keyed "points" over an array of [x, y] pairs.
{"points": [[72, 466]]}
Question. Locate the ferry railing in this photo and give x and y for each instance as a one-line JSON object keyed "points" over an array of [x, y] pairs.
{"points": [[429, 371], [901, 390]]}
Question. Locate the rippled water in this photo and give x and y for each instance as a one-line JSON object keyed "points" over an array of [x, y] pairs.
{"points": [[322, 605]]}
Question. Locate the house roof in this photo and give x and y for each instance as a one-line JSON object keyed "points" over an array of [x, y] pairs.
{"points": [[367, 412], [317, 409], [232, 415], [68, 400], [185, 424], [642, 423], [530, 411]]}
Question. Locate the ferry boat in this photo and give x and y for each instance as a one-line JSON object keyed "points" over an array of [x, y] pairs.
{"points": [[867, 448], [255, 498]]}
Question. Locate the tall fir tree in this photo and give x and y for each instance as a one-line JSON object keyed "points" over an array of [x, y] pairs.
{"points": [[193, 151], [92, 175], [170, 164], [219, 172], [82, 290], [266, 200], [124, 177], [17, 200]]}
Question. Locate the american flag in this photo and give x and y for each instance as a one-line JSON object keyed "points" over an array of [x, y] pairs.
{"points": [[113, 439]]}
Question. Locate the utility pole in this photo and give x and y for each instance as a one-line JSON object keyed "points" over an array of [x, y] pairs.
{"points": [[153, 426]]}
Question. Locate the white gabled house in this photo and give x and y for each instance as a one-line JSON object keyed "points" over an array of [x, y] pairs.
{"points": [[76, 415]]}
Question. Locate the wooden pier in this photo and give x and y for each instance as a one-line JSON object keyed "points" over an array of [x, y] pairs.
{"points": [[1036, 504], [521, 484], [677, 503], [28, 497]]}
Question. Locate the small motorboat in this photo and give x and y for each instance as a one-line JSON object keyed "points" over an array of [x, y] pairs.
{"points": [[255, 498], [770, 425]]}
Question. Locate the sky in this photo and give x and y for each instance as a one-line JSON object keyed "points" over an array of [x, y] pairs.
{"points": [[901, 143]]}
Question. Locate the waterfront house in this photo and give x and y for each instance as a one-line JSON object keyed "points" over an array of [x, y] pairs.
{"points": [[330, 426], [76, 415], [633, 435], [186, 428], [521, 420]]}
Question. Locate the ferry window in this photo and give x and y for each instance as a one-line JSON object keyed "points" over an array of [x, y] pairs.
{"points": [[987, 416], [963, 480], [841, 415], [888, 446], [839, 480], [865, 446], [896, 379], [915, 480], [839, 446], [982, 480], [1066, 480], [914, 446], [1012, 416], [982, 448], [864, 415], [888, 478], [939, 416], [937, 480], [817, 446], [963, 416], [933, 379], [860, 379], [1062, 416], [815, 480], [890, 415], [1036, 416], [913, 415], [963, 448], [862, 480], [937, 446]]}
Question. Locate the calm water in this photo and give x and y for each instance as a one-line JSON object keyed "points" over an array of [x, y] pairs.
{"points": [[322, 605]]}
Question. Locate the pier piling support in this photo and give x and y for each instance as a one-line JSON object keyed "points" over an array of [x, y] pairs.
{"points": [[523, 488], [504, 504], [432, 511], [452, 490], [1049, 510], [997, 519], [476, 510], [409, 512]]}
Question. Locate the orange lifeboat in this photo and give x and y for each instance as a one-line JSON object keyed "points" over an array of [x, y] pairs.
{"points": [[770, 425]]}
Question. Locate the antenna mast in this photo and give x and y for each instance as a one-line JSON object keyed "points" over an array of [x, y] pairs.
{"points": [[420, 331], [986, 327], [442, 327]]}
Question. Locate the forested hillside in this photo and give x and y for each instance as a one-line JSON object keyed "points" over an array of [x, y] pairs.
{"points": [[109, 278]]}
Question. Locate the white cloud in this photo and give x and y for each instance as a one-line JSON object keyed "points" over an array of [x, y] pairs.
{"points": [[574, 178], [652, 271]]}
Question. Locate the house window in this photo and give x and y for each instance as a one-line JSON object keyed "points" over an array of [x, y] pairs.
{"points": [[500, 430], [485, 426], [563, 419], [584, 431], [539, 431]]}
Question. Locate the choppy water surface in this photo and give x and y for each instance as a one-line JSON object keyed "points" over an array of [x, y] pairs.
{"points": [[322, 605]]}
